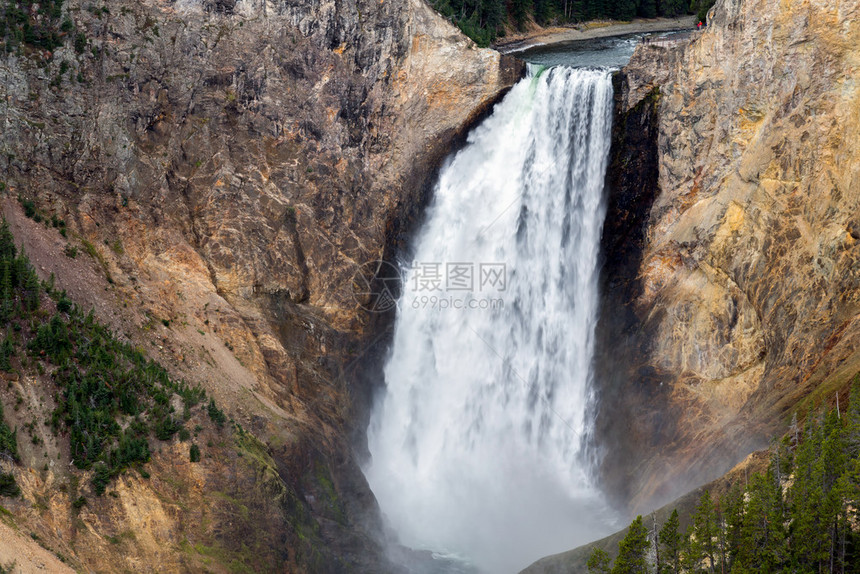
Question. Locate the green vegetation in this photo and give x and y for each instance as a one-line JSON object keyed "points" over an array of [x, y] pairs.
{"points": [[34, 23], [671, 543], [8, 437], [96, 254], [194, 453], [484, 20], [632, 551], [216, 414], [29, 207], [800, 515], [8, 486], [119, 538], [700, 9], [599, 562], [110, 398]]}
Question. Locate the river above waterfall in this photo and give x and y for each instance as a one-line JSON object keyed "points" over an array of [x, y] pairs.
{"points": [[611, 52]]}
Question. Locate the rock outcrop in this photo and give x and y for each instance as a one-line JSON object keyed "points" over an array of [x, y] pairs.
{"points": [[229, 165], [736, 297]]}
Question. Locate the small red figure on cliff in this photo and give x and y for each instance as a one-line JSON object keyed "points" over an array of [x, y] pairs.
{"points": [[700, 25]]}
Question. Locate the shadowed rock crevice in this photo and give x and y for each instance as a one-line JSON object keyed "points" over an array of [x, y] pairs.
{"points": [[632, 184]]}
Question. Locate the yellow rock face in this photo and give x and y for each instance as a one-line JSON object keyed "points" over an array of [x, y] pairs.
{"points": [[750, 271]]}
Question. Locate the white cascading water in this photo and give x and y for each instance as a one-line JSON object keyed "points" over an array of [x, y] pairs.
{"points": [[478, 442]]}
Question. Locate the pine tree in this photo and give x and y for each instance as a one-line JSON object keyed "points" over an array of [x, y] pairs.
{"points": [[599, 562], [763, 534], [833, 450], [834, 459], [852, 421], [704, 529], [520, 11], [808, 531], [633, 550], [8, 439], [6, 305], [733, 503], [670, 8], [623, 9], [32, 290], [701, 8], [7, 350], [20, 266], [848, 485], [8, 252], [647, 8], [848, 489], [671, 543], [485, 20]]}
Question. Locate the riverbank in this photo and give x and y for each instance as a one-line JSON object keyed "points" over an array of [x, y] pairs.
{"points": [[589, 31]]}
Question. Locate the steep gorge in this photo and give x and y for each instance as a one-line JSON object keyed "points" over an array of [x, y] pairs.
{"points": [[230, 164]]}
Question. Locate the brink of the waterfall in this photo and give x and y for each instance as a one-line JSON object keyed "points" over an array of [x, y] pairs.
{"points": [[479, 442]]}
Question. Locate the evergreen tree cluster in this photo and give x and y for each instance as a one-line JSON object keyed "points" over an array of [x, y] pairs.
{"points": [[20, 290], [8, 486], [801, 515], [110, 397], [34, 23], [484, 20], [8, 439]]}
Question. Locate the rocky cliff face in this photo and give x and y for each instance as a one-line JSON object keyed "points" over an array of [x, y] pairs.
{"points": [[736, 297], [228, 165]]}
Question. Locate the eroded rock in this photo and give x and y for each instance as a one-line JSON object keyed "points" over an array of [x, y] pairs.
{"points": [[231, 163], [746, 291]]}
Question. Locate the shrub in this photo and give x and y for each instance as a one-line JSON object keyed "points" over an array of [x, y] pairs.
{"points": [[8, 439], [166, 427], [216, 414], [8, 486], [29, 207], [101, 478], [80, 42]]}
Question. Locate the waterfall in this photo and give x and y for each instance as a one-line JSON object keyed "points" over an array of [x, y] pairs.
{"points": [[478, 443]]}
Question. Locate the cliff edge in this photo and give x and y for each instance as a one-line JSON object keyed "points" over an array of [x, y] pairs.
{"points": [[733, 294]]}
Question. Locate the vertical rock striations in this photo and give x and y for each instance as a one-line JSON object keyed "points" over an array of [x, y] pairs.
{"points": [[742, 286]]}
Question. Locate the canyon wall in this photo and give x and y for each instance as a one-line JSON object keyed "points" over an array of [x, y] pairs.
{"points": [[224, 168], [732, 264]]}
